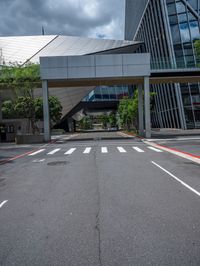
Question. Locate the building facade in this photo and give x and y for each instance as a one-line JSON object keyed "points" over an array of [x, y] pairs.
{"points": [[105, 93], [168, 29]]}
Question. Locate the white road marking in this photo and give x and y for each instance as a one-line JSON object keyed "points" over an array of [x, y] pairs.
{"points": [[104, 149], [87, 150], [173, 139], [3, 203], [138, 149], [36, 152], [53, 152], [70, 151], [120, 149], [154, 149], [38, 161], [177, 179]]}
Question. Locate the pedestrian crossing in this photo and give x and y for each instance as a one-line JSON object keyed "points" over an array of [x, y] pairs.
{"points": [[88, 150], [70, 151]]}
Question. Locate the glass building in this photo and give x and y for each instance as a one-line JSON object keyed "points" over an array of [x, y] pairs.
{"points": [[104, 93], [169, 29]]}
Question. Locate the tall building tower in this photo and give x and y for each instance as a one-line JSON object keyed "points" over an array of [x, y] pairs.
{"points": [[168, 29]]}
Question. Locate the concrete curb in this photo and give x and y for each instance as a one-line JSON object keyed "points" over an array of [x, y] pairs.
{"points": [[103, 138], [185, 155]]}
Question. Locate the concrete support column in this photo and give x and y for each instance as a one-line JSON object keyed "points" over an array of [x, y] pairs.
{"points": [[140, 110], [147, 108], [46, 117], [1, 109]]}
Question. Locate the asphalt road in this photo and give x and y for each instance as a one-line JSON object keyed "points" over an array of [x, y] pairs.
{"points": [[102, 203]]}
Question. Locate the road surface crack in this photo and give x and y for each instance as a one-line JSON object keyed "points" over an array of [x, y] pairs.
{"points": [[97, 225]]}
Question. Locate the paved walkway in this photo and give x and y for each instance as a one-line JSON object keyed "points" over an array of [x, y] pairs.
{"points": [[173, 133], [100, 135]]}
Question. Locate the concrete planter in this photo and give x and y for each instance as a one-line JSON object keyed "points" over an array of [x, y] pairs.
{"points": [[29, 139]]}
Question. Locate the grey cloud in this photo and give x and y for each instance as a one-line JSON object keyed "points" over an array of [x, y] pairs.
{"points": [[92, 18]]}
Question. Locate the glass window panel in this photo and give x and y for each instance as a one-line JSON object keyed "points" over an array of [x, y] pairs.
{"points": [[180, 7], [186, 100], [182, 17], [197, 115], [173, 19], [193, 3], [184, 88], [194, 29], [194, 88], [196, 99], [184, 30], [190, 61], [179, 56], [189, 116], [113, 96], [188, 49], [191, 17], [175, 34], [171, 9]]}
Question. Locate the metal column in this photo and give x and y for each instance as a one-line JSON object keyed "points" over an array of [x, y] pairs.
{"points": [[47, 136], [0, 109], [147, 108], [140, 110]]}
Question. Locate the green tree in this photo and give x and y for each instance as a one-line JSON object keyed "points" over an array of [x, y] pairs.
{"points": [[55, 109], [104, 119], [128, 111], [85, 123], [112, 119], [22, 80], [8, 110], [32, 109]]}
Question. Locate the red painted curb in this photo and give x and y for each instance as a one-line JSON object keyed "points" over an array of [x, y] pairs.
{"points": [[17, 157], [24, 154], [183, 152]]}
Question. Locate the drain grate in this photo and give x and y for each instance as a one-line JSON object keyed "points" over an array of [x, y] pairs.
{"points": [[58, 163]]}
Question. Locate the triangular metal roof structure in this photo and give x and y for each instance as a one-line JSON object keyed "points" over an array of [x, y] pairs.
{"points": [[21, 49]]}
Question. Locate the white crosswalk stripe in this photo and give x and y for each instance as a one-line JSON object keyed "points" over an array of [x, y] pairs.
{"points": [[121, 149], [138, 149], [87, 150], [53, 152], [36, 152], [70, 151], [154, 149], [104, 149], [39, 161]]}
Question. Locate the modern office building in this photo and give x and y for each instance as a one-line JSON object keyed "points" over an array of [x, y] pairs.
{"points": [[168, 30]]}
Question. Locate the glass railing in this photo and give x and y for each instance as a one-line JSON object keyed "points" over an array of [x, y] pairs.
{"points": [[167, 64]]}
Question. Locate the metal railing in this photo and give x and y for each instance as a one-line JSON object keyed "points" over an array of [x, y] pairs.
{"points": [[166, 63]]}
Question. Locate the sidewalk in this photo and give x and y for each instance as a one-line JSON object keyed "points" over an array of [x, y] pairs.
{"points": [[183, 143], [174, 133]]}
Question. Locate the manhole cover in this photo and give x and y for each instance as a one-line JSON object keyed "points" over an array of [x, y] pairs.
{"points": [[58, 163]]}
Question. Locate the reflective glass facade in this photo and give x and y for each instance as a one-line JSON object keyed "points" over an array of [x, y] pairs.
{"points": [[184, 25], [105, 93], [169, 29]]}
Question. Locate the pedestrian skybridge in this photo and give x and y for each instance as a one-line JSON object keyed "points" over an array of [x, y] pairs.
{"points": [[109, 69]]}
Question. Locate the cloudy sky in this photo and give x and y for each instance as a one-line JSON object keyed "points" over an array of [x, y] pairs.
{"points": [[91, 18]]}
